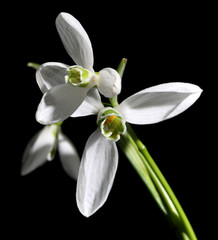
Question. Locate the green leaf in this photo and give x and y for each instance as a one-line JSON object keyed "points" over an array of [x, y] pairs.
{"points": [[33, 65]]}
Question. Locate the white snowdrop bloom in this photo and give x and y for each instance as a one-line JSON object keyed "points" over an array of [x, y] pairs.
{"points": [[100, 158], [42, 148], [65, 87]]}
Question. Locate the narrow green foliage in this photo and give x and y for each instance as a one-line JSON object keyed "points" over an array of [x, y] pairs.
{"points": [[33, 65]]}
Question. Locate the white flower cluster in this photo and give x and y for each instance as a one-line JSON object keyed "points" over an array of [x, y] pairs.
{"points": [[73, 91]]}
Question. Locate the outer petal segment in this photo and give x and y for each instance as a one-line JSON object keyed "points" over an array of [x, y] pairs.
{"points": [[38, 150], [109, 83], [51, 74], [96, 174], [158, 103], [75, 40], [59, 102], [91, 105], [69, 157]]}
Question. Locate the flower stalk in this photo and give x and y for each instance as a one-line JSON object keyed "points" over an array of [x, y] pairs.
{"points": [[120, 70], [134, 156], [139, 157], [174, 212]]}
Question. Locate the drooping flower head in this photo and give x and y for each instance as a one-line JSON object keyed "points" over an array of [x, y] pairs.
{"points": [[43, 146], [65, 87], [100, 158]]}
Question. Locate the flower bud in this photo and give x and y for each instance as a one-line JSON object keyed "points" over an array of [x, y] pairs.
{"points": [[111, 124], [109, 82]]}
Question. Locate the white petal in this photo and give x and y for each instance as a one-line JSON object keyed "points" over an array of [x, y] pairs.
{"points": [[59, 102], [96, 174], [91, 105], [159, 103], [69, 157], [75, 40], [38, 150], [109, 83], [51, 74]]}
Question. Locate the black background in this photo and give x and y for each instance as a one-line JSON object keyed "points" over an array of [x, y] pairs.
{"points": [[163, 43]]}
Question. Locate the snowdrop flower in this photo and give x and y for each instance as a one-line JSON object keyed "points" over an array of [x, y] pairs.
{"points": [[65, 87], [42, 148], [100, 158]]}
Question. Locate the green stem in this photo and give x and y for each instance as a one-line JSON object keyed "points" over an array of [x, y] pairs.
{"points": [[120, 70], [134, 156], [147, 169], [121, 67], [176, 215], [170, 209]]}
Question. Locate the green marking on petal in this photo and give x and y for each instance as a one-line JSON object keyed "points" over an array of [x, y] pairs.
{"points": [[79, 76], [109, 112], [111, 124]]}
